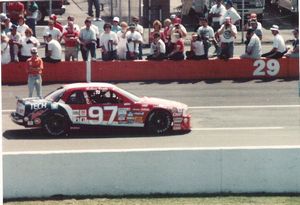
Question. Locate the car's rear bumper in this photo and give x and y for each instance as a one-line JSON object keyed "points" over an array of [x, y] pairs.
{"points": [[16, 118]]}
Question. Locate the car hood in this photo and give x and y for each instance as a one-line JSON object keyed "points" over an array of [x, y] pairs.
{"points": [[163, 103]]}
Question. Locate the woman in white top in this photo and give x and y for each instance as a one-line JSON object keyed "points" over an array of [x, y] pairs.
{"points": [[27, 42], [121, 49], [22, 26], [157, 48], [5, 51], [197, 51], [108, 43]]}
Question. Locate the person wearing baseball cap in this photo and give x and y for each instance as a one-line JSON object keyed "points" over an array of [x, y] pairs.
{"points": [[34, 70], [14, 42], [115, 25], [294, 52], [279, 47], [56, 24]]}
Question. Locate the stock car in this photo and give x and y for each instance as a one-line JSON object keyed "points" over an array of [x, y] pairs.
{"points": [[99, 104]]}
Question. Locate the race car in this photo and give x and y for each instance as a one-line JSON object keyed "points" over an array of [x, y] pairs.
{"points": [[99, 104]]}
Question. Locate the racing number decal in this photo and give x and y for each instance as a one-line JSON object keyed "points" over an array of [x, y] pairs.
{"points": [[272, 69], [97, 114]]}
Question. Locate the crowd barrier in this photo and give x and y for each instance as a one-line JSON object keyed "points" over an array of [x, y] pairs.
{"points": [[146, 172], [143, 70]]}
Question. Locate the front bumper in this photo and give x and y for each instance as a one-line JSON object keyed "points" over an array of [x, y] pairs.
{"points": [[16, 118], [182, 123]]}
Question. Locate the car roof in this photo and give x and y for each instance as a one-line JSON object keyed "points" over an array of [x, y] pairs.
{"points": [[86, 85]]}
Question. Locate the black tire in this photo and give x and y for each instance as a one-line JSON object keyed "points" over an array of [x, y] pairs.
{"points": [[56, 124], [159, 122]]}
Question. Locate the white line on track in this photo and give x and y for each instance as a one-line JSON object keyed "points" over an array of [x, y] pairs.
{"points": [[244, 107], [235, 128], [223, 107]]}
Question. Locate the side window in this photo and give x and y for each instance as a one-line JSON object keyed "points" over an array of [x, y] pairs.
{"points": [[76, 98], [103, 97]]}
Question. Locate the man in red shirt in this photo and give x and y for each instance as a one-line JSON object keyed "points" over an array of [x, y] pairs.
{"points": [[15, 9], [57, 24], [71, 38], [178, 50], [34, 70]]}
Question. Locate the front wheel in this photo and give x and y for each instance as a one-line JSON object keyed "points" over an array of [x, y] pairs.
{"points": [[56, 124], [159, 122]]}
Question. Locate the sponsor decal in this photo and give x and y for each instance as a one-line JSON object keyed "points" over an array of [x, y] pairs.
{"points": [[145, 109], [30, 123], [177, 120], [138, 119], [176, 127], [138, 113], [37, 113], [177, 114], [37, 106], [127, 104]]}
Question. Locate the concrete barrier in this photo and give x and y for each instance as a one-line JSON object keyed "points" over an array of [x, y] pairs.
{"points": [[67, 72], [166, 171]]}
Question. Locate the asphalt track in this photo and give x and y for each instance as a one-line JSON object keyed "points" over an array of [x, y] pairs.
{"points": [[224, 114]]}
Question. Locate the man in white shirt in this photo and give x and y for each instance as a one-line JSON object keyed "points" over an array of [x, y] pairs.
{"points": [[207, 35], [71, 20], [253, 48], [232, 13], [134, 38], [88, 40], [197, 49], [55, 34], [227, 34], [108, 43], [217, 12], [139, 28], [14, 43], [54, 50], [157, 48], [279, 48]]}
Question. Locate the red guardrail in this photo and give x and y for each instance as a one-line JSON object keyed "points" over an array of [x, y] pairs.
{"points": [[67, 72]]}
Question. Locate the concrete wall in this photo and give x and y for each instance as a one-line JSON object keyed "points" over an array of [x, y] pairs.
{"points": [[127, 172]]}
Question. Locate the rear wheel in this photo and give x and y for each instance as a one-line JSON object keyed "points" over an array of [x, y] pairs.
{"points": [[159, 122], [56, 124]]}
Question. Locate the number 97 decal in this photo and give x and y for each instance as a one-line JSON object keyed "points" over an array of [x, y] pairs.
{"points": [[271, 68]]}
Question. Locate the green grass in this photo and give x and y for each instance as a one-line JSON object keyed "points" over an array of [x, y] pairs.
{"points": [[169, 201]]}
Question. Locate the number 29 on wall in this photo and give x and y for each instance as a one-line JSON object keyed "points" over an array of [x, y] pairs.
{"points": [[266, 68]]}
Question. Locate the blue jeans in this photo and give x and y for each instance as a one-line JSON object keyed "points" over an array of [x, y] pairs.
{"points": [[96, 3], [31, 23], [35, 81]]}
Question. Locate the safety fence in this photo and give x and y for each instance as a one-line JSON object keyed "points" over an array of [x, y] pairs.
{"points": [[143, 70]]}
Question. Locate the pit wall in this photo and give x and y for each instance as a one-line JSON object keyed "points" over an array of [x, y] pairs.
{"points": [[143, 70], [145, 172]]}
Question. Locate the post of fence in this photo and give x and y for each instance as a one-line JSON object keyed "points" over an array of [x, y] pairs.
{"points": [[88, 71]]}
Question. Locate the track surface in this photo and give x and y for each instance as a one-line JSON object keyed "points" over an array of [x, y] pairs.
{"points": [[224, 114]]}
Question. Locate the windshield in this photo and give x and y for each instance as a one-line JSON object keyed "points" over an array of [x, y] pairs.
{"points": [[55, 95], [129, 95]]}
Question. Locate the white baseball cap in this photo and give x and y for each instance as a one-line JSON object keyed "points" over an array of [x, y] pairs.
{"points": [[34, 50], [117, 19], [274, 28]]}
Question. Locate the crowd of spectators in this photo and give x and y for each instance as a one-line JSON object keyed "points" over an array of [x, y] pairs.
{"points": [[123, 41]]}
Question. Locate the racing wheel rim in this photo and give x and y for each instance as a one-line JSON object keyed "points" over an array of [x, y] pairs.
{"points": [[56, 124], [159, 122]]}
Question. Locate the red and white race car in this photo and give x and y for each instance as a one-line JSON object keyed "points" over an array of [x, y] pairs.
{"points": [[100, 104]]}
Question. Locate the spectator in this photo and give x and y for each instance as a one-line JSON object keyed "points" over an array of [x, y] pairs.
{"points": [[157, 48], [176, 28], [294, 52], [139, 28], [14, 43], [56, 23], [7, 26], [253, 48], [178, 50], [5, 50], [156, 29], [108, 43], [31, 16], [134, 39], [115, 25], [121, 49], [255, 26], [279, 48], [167, 31], [206, 34], [15, 9], [55, 32], [96, 3], [53, 54], [217, 12], [71, 19], [232, 13], [34, 70], [71, 38], [2, 17], [96, 29], [27, 42], [197, 51], [227, 33], [87, 39], [22, 26]]}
